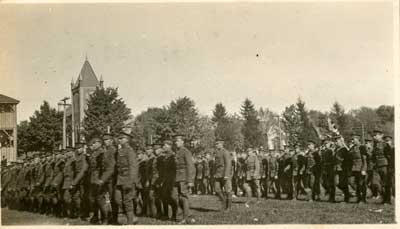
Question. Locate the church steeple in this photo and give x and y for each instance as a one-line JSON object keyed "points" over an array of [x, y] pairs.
{"points": [[101, 81]]}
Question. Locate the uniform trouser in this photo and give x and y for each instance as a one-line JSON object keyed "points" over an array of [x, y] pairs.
{"points": [[211, 185], [124, 200], [373, 181], [166, 198], [223, 189], [155, 201], [205, 184], [329, 182], [287, 184], [273, 185], [252, 186], [385, 179], [98, 201], [300, 180], [343, 183], [180, 197], [264, 187], [360, 185], [199, 186]]}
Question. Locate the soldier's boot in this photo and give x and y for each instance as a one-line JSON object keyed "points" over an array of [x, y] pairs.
{"points": [[165, 215], [228, 202], [223, 200], [158, 208], [174, 207], [131, 219], [184, 202]]}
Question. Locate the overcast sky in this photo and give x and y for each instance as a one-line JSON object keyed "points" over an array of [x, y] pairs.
{"points": [[271, 53]]}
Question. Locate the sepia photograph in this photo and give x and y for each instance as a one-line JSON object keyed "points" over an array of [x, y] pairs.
{"points": [[198, 113]]}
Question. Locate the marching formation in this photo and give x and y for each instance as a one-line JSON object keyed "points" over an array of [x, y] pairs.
{"points": [[106, 181]]}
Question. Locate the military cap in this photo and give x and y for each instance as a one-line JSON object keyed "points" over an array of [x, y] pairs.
{"points": [[123, 134], [79, 145], [387, 137], [95, 139], [377, 130], [368, 138], [311, 141], [168, 142], [178, 136], [107, 136]]}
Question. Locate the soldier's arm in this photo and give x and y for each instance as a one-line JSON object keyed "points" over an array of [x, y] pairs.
{"points": [[109, 166], [81, 173], [190, 170], [227, 163]]}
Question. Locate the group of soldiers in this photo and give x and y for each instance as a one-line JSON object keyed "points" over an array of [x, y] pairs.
{"points": [[106, 181]]}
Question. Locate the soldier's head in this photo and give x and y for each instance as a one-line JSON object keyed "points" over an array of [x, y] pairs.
{"points": [[95, 143], [356, 139], [179, 141], [310, 144], [339, 141], [286, 148], [377, 134], [124, 138], [167, 145], [219, 143], [108, 139], [368, 142], [79, 147], [149, 150], [388, 139]]}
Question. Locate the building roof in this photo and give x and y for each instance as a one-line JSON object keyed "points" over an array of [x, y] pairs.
{"points": [[87, 77], [6, 99]]}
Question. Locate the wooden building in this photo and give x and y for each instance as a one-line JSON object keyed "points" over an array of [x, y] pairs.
{"points": [[8, 128]]}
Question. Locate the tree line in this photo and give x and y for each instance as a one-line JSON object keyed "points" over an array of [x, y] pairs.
{"points": [[252, 127]]}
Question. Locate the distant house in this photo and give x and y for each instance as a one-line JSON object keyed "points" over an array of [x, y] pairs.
{"points": [[8, 128], [276, 138]]}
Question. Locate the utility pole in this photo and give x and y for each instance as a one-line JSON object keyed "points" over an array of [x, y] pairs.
{"points": [[64, 104]]}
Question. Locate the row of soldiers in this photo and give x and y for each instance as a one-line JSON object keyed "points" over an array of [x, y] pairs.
{"points": [[104, 181], [108, 182], [297, 171]]}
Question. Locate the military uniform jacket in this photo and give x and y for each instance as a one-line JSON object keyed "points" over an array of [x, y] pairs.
{"points": [[343, 161], [58, 176], [107, 164], [169, 169], [68, 173], [49, 173], [80, 168], [252, 168], [328, 159], [273, 166], [358, 158], [294, 165], [153, 171], [370, 159], [264, 163], [142, 178], [262, 168], [379, 154], [159, 178], [206, 168], [127, 167], [199, 169], [185, 170], [223, 163], [211, 166]]}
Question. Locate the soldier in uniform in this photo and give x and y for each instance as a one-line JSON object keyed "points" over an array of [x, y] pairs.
{"points": [[198, 187], [206, 172], [108, 177], [359, 168], [168, 177], [342, 166], [127, 177], [141, 189], [184, 178], [49, 170], [252, 176], [67, 183], [79, 186], [155, 203], [390, 155], [222, 176], [380, 154], [372, 181], [313, 171], [328, 161], [56, 185]]}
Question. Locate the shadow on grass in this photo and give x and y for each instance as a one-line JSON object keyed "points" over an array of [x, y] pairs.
{"points": [[201, 209]]}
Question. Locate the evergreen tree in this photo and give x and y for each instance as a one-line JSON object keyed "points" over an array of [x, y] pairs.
{"points": [[105, 109], [250, 129]]}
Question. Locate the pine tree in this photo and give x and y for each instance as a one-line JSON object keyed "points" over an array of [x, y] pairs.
{"points": [[250, 129], [105, 109]]}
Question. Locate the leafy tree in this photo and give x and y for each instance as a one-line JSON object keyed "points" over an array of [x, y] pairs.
{"points": [[43, 131], [291, 124], [338, 116], [250, 128], [105, 109], [206, 133], [386, 113], [183, 118]]}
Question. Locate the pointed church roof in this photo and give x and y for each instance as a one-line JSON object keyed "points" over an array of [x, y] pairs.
{"points": [[87, 77]]}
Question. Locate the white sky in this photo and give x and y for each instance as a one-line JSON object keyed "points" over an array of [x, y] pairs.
{"points": [[158, 52]]}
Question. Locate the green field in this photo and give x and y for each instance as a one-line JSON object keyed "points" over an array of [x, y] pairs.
{"points": [[205, 211]]}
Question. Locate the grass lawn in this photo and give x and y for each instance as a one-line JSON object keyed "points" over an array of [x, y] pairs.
{"points": [[205, 211]]}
